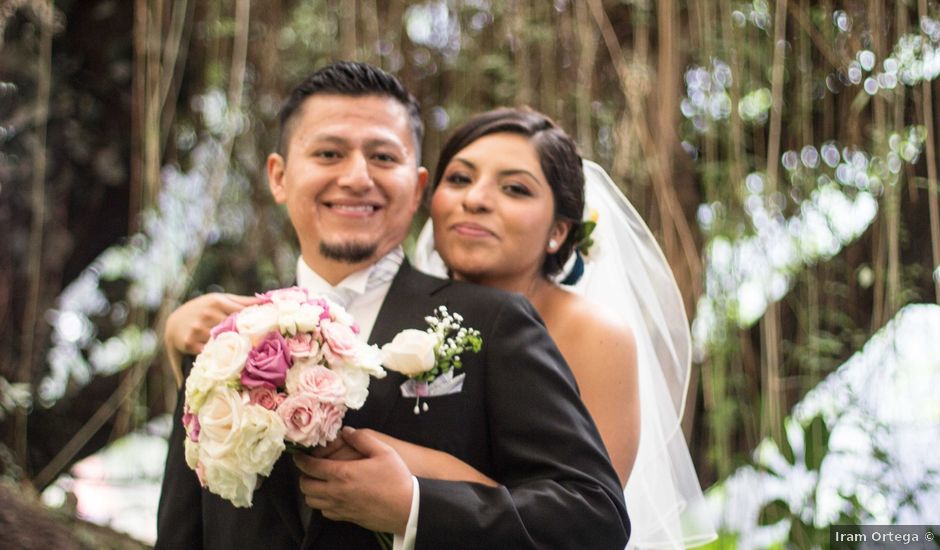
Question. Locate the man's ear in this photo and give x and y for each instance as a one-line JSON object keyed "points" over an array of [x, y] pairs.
{"points": [[422, 185], [275, 169]]}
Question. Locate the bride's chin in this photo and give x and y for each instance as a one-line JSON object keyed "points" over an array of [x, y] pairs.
{"points": [[469, 272], [468, 276]]}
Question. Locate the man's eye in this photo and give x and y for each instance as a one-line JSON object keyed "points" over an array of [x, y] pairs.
{"points": [[327, 154], [384, 157]]}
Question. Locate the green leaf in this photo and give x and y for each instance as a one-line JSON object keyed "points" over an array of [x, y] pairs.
{"points": [[881, 455], [773, 512], [587, 228], [784, 444], [800, 534], [816, 438]]}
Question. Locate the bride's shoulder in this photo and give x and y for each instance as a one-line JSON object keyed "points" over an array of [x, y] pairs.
{"points": [[592, 330]]}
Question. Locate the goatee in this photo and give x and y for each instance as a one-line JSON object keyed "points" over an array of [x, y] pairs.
{"points": [[351, 253]]}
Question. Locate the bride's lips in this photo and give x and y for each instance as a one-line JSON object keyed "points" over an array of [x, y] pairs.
{"points": [[472, 230]]}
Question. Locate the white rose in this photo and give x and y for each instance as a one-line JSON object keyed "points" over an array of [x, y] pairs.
{"points": [[357, 385], [220, 420], [191, 450], [257, 321], [294, 317], [411, 352], [308, 317], [224, 356], [369, 359], [226, 479], [338, 313], [198, 387], [262, 440]]}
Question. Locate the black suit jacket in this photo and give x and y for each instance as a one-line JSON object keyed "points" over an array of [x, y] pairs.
{"points": [[518, 419]]}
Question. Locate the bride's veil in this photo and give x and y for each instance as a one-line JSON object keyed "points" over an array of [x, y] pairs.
{"points": [[628, 275]]}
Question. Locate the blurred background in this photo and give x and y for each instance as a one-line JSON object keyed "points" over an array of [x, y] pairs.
{"points": [[783, 153]]}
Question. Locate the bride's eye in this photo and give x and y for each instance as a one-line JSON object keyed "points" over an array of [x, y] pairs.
{"points": [[457, 178], [517, 189]]}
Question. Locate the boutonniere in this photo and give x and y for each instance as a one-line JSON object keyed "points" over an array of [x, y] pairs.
{"points": [[429, 357]]}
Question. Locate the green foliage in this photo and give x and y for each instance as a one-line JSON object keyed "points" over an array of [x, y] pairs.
{"points": [[816, 441], [453, 340], [773, 512]]}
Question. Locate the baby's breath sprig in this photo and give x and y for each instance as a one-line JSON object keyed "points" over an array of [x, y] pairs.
{"points": [[453, 340]]}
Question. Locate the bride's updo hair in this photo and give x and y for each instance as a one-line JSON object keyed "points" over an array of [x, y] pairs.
{"points": [[558, 157]]}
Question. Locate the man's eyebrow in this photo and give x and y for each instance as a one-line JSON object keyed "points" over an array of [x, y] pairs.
{"points": [[330, 138], [371, 143], [384, 142]]}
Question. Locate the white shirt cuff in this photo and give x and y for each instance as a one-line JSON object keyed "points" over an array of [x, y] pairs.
{"points": [[407, 541]]}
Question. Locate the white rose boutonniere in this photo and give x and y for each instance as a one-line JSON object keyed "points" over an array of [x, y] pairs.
{"points": [[411, 352], [429, 357]]}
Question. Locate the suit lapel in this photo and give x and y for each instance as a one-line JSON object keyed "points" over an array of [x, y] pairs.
{"points": [[409, 300]]}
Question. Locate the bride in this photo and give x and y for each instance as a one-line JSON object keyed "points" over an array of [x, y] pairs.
{"points": [[507, 210]]}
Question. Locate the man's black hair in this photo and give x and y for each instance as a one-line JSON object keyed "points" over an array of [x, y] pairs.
{"points": [[354, 79]]}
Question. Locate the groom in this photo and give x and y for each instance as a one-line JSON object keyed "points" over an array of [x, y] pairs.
{"points": [[347, 170]]}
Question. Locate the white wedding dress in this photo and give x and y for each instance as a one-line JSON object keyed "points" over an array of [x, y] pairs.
{"points": [[628, 275]]}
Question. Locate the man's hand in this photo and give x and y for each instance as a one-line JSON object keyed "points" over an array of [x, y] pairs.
{"points": [[374, 491], [338, 449]]}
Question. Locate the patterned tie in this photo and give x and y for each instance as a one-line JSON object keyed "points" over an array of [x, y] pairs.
{"points": [[341, 296], [385, 269]]}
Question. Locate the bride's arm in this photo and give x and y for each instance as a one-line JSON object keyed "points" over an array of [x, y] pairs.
{"points": [[434, 464], [602, 356], [421, 461]]}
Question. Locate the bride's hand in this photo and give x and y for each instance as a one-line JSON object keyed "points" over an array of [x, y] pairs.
{"points": [[187, 328]]}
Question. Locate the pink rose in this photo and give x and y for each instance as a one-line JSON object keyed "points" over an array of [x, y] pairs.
{"points": [[310, 422], [267, 363], [331, 420], [291, 294], [265, 397], [317, 380], [303, 344], [228, 325], [340, 339], [191, 423]]}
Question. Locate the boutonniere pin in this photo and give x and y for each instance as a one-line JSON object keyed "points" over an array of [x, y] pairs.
{"points": [[429, 357]]}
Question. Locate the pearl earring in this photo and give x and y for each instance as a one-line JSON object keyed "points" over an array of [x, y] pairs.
{"points": [[552, 245]]}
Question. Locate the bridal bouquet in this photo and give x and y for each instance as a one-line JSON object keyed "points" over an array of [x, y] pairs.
{"points": [[278, 374]]}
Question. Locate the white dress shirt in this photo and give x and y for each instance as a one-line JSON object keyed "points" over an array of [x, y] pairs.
{"points": [[362, 294]]}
